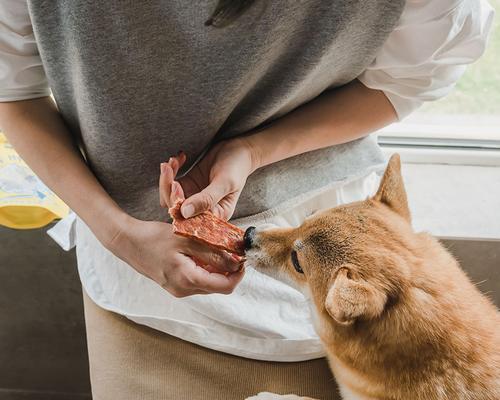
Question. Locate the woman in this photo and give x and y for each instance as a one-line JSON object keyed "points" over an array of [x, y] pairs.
{"points": [[271, 103]]}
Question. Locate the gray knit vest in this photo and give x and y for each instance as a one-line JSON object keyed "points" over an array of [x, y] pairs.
{"points": [[137, 81]]}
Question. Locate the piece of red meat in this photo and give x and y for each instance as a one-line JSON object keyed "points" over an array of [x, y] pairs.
{"points": [[208, 229]]}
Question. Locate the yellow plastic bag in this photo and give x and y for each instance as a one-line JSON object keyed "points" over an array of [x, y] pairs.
{"points": [[25, 202]]}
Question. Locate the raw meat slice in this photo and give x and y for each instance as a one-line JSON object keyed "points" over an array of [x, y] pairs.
{"points": [[208, 229]]}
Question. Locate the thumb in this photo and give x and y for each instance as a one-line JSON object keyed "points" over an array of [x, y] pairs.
{"points": [[205, 200]]}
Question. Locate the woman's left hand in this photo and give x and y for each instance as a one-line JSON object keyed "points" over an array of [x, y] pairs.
{"points": [[214, 184]]}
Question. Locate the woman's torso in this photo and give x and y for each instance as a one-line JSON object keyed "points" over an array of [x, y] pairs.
{"points": [[138, 81]]}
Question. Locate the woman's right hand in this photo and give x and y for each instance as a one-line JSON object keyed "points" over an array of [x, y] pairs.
{"points": [[155, 251]]}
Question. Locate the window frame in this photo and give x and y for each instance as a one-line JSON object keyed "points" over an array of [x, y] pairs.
{"points": [[459, 144]]}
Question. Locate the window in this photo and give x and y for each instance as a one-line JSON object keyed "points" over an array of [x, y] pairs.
{"points": [[466, 123]]}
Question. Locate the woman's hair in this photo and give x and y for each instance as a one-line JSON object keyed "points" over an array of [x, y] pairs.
{"points": [[227, 11]]}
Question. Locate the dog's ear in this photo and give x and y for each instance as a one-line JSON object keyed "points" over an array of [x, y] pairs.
{"points": [[349, 299], [392, 190]]}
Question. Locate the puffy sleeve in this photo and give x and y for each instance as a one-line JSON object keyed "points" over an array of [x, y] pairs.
{"points": [[21, 72], [426, 54]]}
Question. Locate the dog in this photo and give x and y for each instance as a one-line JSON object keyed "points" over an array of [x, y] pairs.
{"points": [[398, 317]]}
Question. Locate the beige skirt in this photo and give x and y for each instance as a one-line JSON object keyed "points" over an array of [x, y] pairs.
{"points": [[133, 362]]}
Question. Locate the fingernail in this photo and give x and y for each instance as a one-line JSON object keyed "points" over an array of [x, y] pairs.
{"points": [[236, 257], [162, 168], [187, 210], [175, 190]]}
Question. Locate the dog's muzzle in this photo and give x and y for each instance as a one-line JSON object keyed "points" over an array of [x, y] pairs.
{"points": [[248, 238]]}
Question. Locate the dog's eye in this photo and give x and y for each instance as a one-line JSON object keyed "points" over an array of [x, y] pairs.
{"points": [[295, 262]]}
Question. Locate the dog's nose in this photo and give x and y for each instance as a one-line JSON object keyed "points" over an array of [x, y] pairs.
{"points": [[248, 237]]}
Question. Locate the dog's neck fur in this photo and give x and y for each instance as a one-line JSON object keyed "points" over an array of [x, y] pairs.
{"points": [[435, 327], [398, 317]]}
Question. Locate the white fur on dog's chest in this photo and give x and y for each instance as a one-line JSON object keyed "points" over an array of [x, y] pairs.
{"points": [[349, 395], [349, 380]]}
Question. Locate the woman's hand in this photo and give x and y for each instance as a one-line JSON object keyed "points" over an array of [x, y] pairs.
{"points": [[214, 184], [156, 252], [180, 265]]}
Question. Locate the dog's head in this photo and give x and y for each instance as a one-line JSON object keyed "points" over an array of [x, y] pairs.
{"points": [[354, 259]]}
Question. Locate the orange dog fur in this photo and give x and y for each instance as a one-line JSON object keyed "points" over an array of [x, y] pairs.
{"points": [[398, 317]]}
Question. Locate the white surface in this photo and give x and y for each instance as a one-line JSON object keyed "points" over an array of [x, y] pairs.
{"points": [[64, 233], [454, 200], [421, 60], [262, 319]]}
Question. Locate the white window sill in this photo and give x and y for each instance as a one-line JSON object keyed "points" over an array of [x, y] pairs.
{"points": [[450, 127], [479, 157]]}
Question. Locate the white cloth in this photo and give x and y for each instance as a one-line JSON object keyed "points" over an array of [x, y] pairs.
{"points": [[262, 319], [21, 71], [64, 232], [420, 61]]}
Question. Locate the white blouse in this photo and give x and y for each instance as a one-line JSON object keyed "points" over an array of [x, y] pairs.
{"points": [[421, 60]]}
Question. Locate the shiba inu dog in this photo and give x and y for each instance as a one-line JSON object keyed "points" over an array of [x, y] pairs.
{"points": [[398, 317]]}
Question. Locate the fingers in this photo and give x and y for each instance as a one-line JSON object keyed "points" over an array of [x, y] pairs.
{"points": [[177, 162], [225, 208], [176, 192], [187, 279], [210, 268], [170, 190], [165, 184], [201, 279], [206, 200], [221, 260]]}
